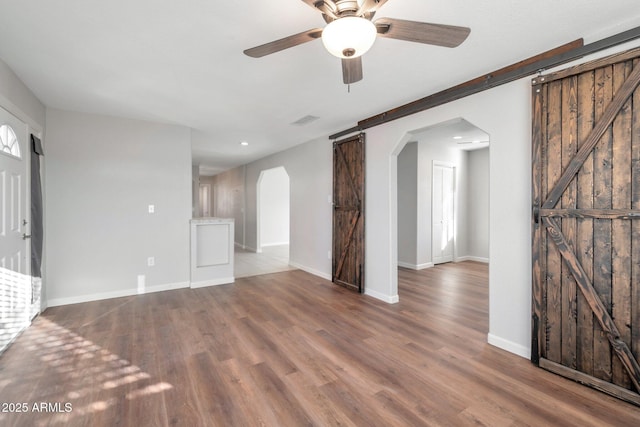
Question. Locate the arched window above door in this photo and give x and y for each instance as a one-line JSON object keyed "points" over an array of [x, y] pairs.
{"points": [[9, 141]]}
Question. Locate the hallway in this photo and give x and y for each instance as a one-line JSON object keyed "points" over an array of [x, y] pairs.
{"points": [[273, 259]]}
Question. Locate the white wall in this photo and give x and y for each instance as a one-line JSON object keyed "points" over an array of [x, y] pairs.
{"points": [[310, 178], [18, 99], [310, 181], [415, 168], [273, 207], [408, 206], [504, 112], [102, 173], [478, 218]]}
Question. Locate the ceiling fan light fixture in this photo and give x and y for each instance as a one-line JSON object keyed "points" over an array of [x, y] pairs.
{"points": [[349, 37]]}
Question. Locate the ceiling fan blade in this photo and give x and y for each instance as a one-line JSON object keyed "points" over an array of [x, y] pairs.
{"points": [[422, 32], [351, 70], [285, 43], [371, 5]]}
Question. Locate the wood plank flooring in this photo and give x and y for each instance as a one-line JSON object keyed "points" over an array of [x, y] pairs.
{"points": [[290, 349]]}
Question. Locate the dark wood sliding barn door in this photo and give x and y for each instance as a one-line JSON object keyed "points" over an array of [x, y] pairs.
{"points": [[348, 213], [586, 224]]}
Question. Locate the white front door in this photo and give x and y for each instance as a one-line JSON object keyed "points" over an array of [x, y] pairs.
{"points": [[15, 281], [442, 196]]}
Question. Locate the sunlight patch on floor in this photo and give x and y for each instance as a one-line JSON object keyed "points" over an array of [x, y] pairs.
{"points": [[98, 377]]}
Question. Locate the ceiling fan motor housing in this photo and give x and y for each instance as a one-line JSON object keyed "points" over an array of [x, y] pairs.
{"points": [[348, 6]]}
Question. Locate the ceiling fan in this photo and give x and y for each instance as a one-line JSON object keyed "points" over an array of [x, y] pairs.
{"points": [[349, 33]]}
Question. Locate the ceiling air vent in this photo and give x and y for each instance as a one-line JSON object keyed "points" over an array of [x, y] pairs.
{"points": [[305, 120]]}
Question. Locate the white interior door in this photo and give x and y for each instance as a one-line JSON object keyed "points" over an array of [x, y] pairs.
{"points": [[442, 234], [15, 281]]}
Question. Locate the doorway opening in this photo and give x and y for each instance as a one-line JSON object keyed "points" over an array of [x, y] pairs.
{"points": [[443, 196], [272, 227], [20, 293]]}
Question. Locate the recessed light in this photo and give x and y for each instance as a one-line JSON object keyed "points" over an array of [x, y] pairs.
{"points": [[457, 137], [244, 143]]}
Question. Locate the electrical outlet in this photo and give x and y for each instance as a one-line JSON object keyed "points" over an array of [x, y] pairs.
{"points": [[152, 208], [151, 261]]}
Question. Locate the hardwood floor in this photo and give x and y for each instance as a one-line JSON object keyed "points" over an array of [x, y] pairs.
{"points": [[290, 349]]}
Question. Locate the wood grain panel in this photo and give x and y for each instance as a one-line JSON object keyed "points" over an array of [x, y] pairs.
{"points": [[348, 213], [609, 110], [635, 224], [584, 242], [536, 231], [554, 260], [590, 211], [621, 229], [569, 135], [600, 311], [602, 181], [544, 189]]}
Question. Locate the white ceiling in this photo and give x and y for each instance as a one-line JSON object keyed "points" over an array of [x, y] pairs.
{"points": [[181, 62], [456, 133]]}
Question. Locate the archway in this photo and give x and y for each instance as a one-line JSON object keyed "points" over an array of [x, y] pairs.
{"points": [[459, 147], [272, 208], [272, 227]]}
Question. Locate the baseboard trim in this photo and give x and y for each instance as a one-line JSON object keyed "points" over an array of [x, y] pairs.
{"points": [[56, 302], [472, 258], [382, 297], [245, 247], [266, 245], [374, 294], [509, 346], [310, 270], [415, 266], [215, 282]]}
